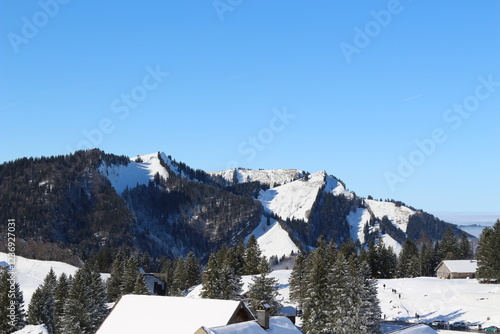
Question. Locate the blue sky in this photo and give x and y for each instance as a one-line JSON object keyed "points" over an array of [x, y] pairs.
{"points": [[399, 99]]}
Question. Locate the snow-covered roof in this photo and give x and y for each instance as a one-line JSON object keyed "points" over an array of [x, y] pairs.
{"points": [[277, 325], [159, 314], [460, 266], [417, 329], [247, 327]]}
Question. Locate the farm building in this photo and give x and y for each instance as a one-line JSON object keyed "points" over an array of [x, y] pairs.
{"points": [[456, 269], [159, 314]]}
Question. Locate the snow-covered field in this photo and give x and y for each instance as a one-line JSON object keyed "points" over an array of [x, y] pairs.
{"points": [[436, 299], [30, 273]]}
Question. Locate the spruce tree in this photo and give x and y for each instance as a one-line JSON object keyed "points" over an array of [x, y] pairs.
{"points": [[252, 256], [41, 308], [12, 314], [140, 287], [211, 285], [168, 268], [130, 271], [488, 254], [297, 280], [115, 281], [316, 299], [264, 288], [180, 277], [85, 305], [193, 270], [239, 257], [60, 293], [464, 249], [449, 245], [219, 279], [97, 302], [370, 308], [409, 263]]}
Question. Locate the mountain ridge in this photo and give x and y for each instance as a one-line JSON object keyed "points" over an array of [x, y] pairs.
{"points": [[90, 200]]}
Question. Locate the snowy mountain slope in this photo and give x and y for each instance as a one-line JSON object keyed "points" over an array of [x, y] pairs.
{"points": [[30, 273], [135, 173], [357, 220], [336, 187], [294, 199], [389, 241], [271, 177], [398, 215], [273, 239]]}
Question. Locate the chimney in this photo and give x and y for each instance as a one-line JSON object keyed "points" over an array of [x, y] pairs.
{"points": [[263, 311]]}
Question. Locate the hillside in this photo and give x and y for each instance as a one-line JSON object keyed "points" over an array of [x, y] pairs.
{"points": [[30, 273], [67, 208]]}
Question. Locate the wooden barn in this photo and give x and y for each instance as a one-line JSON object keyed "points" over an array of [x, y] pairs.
{"points": [[451, 269]]}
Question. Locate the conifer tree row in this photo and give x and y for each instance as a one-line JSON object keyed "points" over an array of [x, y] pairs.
{"points": [[69, 305], [335, 292]]}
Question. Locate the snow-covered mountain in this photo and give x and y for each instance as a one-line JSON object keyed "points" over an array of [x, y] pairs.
{"points": [[286, 194], [139, 171], [296, 199], [165, 207], [271, 177]]}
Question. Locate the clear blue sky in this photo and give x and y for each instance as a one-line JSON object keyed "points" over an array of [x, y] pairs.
{"points": [[360, 81]]}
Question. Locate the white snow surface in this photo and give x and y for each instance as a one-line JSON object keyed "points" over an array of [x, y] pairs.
{"points": [[357, 221], [159, 314], [438, 299], [397, 215], [270, 177], [30, 273], [32, 329], [417, 329], [135, 173], [336, 187], [277, 325], [461, 266], [273, 239], [389, 241], [294, 199], [247, 327]]}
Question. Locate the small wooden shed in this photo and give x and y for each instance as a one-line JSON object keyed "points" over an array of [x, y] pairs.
{"points": [[451, 269]]}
